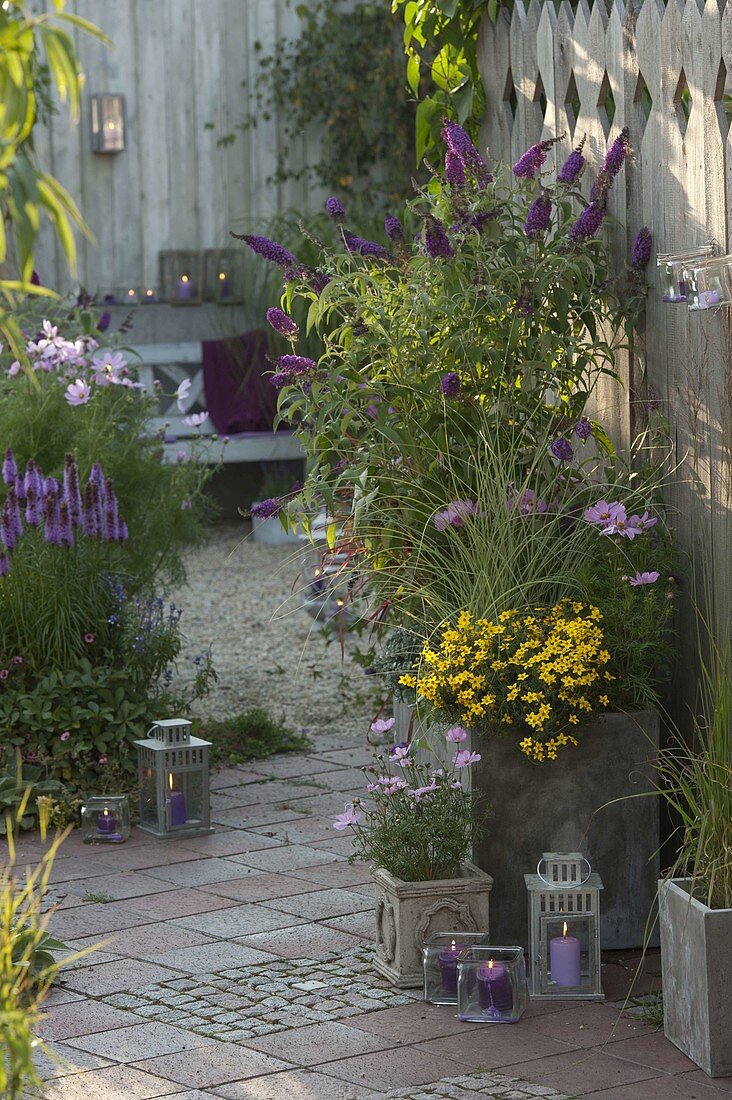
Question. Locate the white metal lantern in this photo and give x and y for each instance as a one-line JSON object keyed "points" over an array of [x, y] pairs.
{"points": [[174, 780], [108, 123], [564, 928]]}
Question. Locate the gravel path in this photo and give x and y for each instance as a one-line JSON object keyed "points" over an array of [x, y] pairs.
{"points": [[243, 599]]}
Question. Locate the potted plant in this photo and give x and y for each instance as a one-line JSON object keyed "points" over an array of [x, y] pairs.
{"points": [[416, 828]]}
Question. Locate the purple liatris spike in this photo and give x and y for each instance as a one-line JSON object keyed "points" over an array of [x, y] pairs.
{"points": [[532, 161], [561, 448], [50, 485], [281, 322], [12, 510], [20, 487], [537, 220], [573, 166], [97, 476], [111, 512], [32, 480], [450, 384], [362, 246], [393, 229], [588, 223], [269, 250], [51, 528], [122, 532], [454, 169], [436, 240], [71, 494], [642, 246], [10, 470], [65, 526], [334, 209], [8, 537], [4, 565], [90, 516], [583, 429], [32, 508]]}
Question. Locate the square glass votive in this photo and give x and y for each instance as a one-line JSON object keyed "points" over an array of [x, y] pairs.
{"points": [[492, 984], [440, 956], [105, 819]]}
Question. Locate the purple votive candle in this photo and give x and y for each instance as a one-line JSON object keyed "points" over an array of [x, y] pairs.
{"points": [[448, 960], [178, 813], [106, 822], [494, 987]]}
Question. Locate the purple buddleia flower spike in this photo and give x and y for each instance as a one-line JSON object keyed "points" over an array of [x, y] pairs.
{"points": [[90, 519], [588, 222], [51, 516], [335, 210], [269, 250], [20, 487], [4, 565], [10, 470], [642, 246], [532, 161], [393, 229], [281, 322], [458, 141], [450, 384], [617, 153], [65, 526], [363, 247], [111, 512], [318, 281], [573, 166], [32, 508], [537, 220], [104, 321], [583, 429], [71, 493], [561, 448], [454, 169], [436, 240]]}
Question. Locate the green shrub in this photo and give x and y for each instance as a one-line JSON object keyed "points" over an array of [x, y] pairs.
{"points": [[251, 735]]}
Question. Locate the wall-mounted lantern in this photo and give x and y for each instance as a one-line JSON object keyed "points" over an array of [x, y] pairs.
{"points": [[108, 123]]}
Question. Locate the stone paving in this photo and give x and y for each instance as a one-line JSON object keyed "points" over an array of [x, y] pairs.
{"points": [[237, 965]]}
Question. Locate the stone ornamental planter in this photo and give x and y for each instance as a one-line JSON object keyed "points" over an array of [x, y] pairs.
{"points": [[549, 807], [407, 913], [696, 960]]}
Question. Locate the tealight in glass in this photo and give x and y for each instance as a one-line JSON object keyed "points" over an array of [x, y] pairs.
{"points": [[709, 283], [105, 819], [440, 956], [672, 269], [491, 984]]}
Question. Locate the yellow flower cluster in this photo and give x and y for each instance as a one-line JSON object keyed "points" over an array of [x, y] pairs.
{"points": [[541, 671]]}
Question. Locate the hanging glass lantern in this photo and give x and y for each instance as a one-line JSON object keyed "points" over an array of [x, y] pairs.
{"points": [[564, 928], [174, 780], [709, 283], [672, 267]]}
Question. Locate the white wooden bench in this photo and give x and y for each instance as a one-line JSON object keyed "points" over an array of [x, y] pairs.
{"points": [[168, 365]]}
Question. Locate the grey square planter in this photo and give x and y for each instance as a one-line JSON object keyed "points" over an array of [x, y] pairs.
{"points": [[696, 959], [407, 913]]}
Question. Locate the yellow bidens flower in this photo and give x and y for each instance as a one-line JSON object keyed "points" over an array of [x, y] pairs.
{"points": [[540, 671]]}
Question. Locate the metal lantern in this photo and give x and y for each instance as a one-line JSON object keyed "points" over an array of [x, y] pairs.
{"points": [[108, 123], [327, 578], [174, 780], [564, 928]]}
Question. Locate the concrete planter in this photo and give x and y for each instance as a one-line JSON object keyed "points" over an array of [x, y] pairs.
{"points": [[696, 958], [556, 807], [271, 532], [408, 912]]}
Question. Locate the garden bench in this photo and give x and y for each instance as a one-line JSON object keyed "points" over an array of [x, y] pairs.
{"points": [[169, 365]]}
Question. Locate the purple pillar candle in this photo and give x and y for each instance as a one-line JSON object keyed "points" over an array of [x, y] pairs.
{"points": [[178, 812], [106, 822], [494, 987], [184, 288], [564, 959], [448, 960]]}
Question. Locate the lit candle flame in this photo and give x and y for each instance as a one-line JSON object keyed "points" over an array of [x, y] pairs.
{"points": [[490, 964], [564, 930], [222, 275], [184, 278], [149, 293], [131, 293], [170, 781], [106, 812], [452, 945]]}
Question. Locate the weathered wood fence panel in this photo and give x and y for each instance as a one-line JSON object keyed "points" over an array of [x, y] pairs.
{"points": [[181, 65], [662, 71]]}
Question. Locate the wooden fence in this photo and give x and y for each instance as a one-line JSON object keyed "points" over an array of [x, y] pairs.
{"points": [[662, 72]]}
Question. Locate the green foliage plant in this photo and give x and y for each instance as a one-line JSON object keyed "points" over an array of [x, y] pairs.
{"points": [[252, 735], [22, 786]]}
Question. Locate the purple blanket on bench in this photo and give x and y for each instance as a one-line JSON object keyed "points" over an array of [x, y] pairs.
{"points": [[239, 397]]}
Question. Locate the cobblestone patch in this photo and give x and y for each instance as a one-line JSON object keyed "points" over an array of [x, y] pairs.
{"points": [[467, 1088], [266, 998]]}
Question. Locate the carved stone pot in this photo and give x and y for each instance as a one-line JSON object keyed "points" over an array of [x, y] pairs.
{"points": [[407, 913]]}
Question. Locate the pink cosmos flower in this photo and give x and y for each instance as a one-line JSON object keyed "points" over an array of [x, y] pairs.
{"points": [[457, 734], [4, 674], [110, 368], [419, 792], [181, 394], [64, 736], [400, 754], [382, 725], [195, 419], [89, 638], [642, 578], [642, 523], [14, 368], [455, 514], [603, 513], [527, 503], [17, 661], [350, 816], [464, 758], [180, 456], [78, 392]]}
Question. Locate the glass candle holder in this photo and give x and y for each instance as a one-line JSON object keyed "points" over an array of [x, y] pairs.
{"points": [[491, 986], [105, 819], [440, 957], [672, 267], [709, 283]]}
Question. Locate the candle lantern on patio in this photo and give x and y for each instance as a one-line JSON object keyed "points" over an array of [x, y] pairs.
{"points": [[491, 984], [564, 928], [174, 780], [105, 819]]}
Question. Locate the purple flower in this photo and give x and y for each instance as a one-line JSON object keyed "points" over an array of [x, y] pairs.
{"points": [[103, 760], [265, 509], [583, 429], [537, 220], [642, 523], [350, 816], [195, 420], [399, 754], [603, 514], [458, 141], [78, 392], [527, 504], [71, 493], [616, 154], [530, 162], [457, 735], [464, 758], [122, 533], [33, 508], [455, 514], [419, 792], [362, 246], [292, 370], [436, 240], [335, 210], [454, 169], [393, 229], [65, 526], [33, 478], [642, 246], [561, 448], [642, 578], [450, 384], [10, 469], [573, 166], [524, 304], [104, 321], [281, 322], [64, 736], [52, 519], [382, 725], [89, 638], [4, 565], [269, 250], [318, 281], [111, 512], [588, 222]]}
